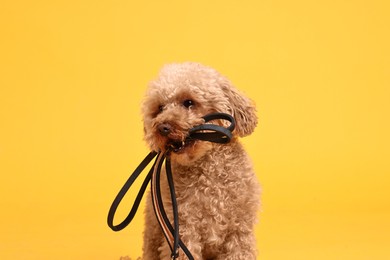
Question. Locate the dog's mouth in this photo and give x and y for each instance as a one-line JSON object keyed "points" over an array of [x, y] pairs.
{"points": [[178, 146]]}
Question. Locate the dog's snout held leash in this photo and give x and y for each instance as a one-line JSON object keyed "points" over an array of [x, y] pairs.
{"points": [[205, 132]]}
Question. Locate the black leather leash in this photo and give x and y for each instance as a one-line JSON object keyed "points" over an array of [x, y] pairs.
{"points": [[204, 132]]}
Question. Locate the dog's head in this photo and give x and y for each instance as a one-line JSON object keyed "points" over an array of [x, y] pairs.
{"points": [[179, 97]]}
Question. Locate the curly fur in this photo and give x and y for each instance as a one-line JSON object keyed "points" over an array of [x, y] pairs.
{"points": [[216, 188]]}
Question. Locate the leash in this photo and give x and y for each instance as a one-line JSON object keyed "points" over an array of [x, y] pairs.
{"points": [[204, 132]]}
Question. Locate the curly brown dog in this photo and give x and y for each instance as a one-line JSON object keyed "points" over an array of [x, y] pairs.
{"points": [[216, 188]]}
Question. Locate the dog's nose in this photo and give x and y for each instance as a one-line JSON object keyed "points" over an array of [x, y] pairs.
{"points": [[165, 129]]}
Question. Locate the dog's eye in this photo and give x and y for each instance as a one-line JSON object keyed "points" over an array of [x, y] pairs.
{"points": [[188, 103], [159, 109]]}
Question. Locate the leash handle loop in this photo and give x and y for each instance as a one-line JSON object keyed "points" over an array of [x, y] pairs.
{"points": [[224, 116], [123, 191], [214, 133]]}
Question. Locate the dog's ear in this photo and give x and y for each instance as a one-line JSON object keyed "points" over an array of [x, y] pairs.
{"points": [[242, 109]]}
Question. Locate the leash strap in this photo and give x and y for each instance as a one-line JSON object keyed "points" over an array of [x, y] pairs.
{"points": [[171, 233], [204, 132]]}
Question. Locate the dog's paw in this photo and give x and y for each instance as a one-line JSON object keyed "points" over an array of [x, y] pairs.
{"points": [[128, 258]]}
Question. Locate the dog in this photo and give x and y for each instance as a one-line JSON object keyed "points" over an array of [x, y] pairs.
{"points": [[217, 192]]}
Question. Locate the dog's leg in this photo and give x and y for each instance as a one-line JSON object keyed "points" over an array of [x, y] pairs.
{"points": [[190, 241], [190, 236], [239, 246]]}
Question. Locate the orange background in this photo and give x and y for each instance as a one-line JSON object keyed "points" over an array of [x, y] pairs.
{"points": [[73, 74]]}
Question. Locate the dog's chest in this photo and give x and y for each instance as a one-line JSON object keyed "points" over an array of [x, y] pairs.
{"points": [[206, 194]]}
